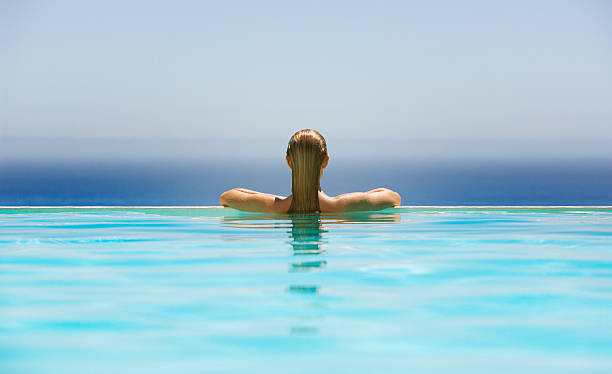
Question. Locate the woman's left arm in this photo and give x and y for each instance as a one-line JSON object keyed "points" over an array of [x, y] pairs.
{"points": [[252, 201]]}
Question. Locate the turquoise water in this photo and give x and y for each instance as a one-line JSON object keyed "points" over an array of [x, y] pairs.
{"points": [[212, 290]]}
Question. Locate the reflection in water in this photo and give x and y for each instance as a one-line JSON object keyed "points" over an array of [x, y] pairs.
{"points": [[306, 235], [273, 220], [307, 240], [307, 265], [304, 289]]}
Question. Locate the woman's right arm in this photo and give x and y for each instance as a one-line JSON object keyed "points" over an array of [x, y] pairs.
{"points": [[376, 199]]}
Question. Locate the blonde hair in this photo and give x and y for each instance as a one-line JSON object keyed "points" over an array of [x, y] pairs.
{"points": [[306, 150]]}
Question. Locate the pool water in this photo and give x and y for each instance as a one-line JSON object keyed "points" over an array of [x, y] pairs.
{"points": [[214, 290]]}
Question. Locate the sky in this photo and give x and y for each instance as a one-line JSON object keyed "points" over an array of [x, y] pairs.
{"points": [[238, 78]]}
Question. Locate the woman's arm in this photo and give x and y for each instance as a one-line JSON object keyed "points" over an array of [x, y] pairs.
{"points": [[253, 201], [376, 199]]}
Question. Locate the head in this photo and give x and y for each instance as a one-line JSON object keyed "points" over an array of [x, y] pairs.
{"points": [[307, 157]]}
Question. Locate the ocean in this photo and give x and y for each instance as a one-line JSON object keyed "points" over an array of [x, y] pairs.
{"points": [[191, 182]]}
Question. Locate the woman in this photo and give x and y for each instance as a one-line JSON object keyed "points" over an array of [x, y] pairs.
{"points": [[307, 157]]}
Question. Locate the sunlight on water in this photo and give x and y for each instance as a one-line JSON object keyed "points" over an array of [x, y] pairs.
{"points": [[191, 290]]}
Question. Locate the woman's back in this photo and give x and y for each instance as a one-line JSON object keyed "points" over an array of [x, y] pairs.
{"points": [[307, 157], [253, 201]]}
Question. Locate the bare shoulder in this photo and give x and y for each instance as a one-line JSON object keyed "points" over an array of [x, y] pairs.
{"points": [[282, 204], [376, 199]]}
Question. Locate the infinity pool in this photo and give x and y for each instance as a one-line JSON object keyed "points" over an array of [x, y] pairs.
{"points": [[213, 290]]}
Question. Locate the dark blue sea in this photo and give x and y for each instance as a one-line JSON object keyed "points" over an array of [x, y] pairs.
{"points": [[442, 182]]}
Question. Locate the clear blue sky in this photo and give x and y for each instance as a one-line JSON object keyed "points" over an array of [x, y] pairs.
{"points": [[509, 77]]}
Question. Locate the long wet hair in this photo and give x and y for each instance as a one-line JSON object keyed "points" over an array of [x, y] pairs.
{"points": [[307, 150]]}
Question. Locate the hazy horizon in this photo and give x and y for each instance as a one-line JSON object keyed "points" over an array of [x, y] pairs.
{"points": [[345, 150], [392, 80]]}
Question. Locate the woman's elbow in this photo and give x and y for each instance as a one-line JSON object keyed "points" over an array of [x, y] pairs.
{"points": [[393, 198], [396, 199], [225, 196]]}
